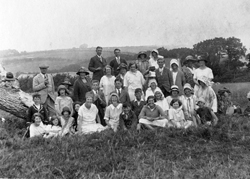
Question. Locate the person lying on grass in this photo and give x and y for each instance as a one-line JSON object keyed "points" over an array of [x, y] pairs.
{"points": [[206, 114], [113, 112], [176, 115], [88, 115], [128, 119], [37, 107], [37, 128], [189, 104], [54, 129], [152, 115]]}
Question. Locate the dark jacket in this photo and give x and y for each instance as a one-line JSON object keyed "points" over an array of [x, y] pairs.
{"points": [[164, 79], [94, 63], [80, 89], [115, 65], [100, 104], [129, 121], [124, 96], [33, 109], [137, 108], [180, 81]]}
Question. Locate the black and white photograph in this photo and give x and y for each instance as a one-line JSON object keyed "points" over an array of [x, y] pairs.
{"points": [[131, 89]]}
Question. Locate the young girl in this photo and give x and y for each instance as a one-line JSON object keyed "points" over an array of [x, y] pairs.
{"points": [[176, 115], [54, 129], [174, 94], [67, 122], [113, 112], [63, 101]]}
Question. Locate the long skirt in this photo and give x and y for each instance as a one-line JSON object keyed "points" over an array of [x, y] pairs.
{"points": [[91, 128]]}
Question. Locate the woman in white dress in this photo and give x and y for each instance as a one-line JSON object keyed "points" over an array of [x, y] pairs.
{"points": [[132, 80], [202, 71], [87, 117], [152, 88], [161, 101], [107, 83]]}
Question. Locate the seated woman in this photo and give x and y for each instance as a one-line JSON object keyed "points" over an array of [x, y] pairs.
{"points": [[36, 129], [189, 104], [76, 107], [88, 115], [174, 94], [113, 111], [162, 102], [152, 88], [176, 115], [152, 115], [66, 122], [206, 92], [205, 113]]}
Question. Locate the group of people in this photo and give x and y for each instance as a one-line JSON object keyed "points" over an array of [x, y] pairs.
{"points": [[143, 94]]}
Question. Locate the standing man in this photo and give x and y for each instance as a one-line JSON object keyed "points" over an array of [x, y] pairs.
{"points": [[43, 84], [97, 64], [115, 63], [163, 77]]}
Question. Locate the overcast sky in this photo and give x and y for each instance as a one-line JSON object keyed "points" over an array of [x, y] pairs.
{"points": [[55, 24]]}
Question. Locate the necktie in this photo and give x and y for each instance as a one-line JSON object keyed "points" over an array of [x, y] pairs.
{"points": [[119, 92], [118, 60]]}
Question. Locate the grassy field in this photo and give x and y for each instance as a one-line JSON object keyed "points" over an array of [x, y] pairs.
{"points": [[220, 152]]}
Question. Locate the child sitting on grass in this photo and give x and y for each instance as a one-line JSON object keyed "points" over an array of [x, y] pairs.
{"points": [[128, 119], [63, 100], [176, 115], [206, 114], [67, 122], [138, 103], [37, 107], [54, 129]]}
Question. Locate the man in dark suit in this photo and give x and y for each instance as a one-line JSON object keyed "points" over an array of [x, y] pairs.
{"points": [[115, 63], [138, 103], [122, 93], [163, 77], [97, 64]]}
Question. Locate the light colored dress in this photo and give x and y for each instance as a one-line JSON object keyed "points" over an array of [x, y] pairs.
{"points": [[88, 124], [67, 127], [108, 85], [200, 73], [209, 96], [37, 130], [177, 117], [53, 131], [112, 114], [133, 80], [163, 104], [189, 105], [62, 102]]}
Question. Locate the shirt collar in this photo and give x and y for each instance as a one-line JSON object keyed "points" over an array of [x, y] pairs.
{"points": [[117, 58], [118, 106], [99, 56], [151, 108], [139, 101]]}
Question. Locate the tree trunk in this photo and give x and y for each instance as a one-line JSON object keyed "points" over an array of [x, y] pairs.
{"points": [[15, 102]]}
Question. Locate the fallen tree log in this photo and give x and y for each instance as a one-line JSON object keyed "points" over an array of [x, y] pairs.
{"points": [[14, 102]]}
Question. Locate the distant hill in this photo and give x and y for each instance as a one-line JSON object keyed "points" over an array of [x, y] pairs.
{"points": [[61, 59]]}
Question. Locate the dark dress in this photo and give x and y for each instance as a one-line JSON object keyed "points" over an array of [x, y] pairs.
{"points": [[80, 89], [33, 109]]}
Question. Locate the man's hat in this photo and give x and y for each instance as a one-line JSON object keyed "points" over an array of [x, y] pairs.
{"points": [[9, 77], [82, 70], [43, 66]]}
